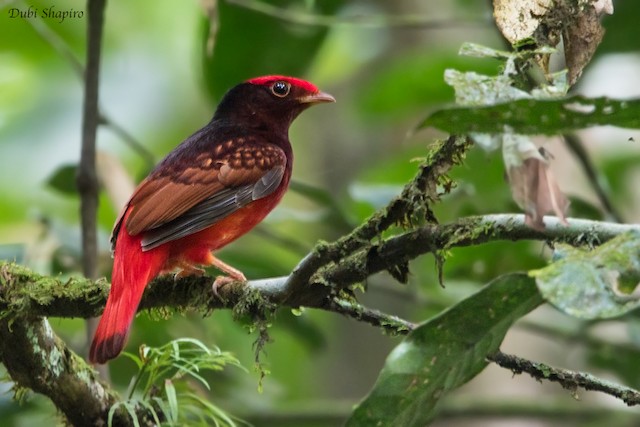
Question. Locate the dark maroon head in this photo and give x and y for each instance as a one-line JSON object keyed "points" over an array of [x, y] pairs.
{"points": [[269, 101]]}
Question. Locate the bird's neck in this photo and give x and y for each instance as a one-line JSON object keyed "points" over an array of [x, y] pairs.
{"points": [[274, 133], [256, 121]]}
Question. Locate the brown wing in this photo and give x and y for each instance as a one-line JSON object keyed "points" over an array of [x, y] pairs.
{"points": [[172, 204]]}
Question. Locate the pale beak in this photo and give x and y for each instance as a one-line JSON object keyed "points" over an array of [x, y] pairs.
{"points": [[316, 98]]}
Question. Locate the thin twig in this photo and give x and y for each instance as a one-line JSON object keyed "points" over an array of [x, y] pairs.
{"points": [[421, 22], [570, 380], [388, 322], [596, 179], [87, 178]]}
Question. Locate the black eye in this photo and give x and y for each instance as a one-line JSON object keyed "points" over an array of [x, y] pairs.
{"points": [[280, 89]]}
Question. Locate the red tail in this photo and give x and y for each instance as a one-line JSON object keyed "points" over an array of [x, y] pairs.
{"points": [[132, 270]]}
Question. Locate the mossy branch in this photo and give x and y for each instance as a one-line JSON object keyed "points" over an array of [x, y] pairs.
{"points": [[570, 380], [25, 293], [35, 358]]}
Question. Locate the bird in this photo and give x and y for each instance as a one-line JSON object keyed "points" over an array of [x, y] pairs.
{"points": [[209, 190]]}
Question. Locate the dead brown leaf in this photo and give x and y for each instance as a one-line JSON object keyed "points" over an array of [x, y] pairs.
{"points": [[581, 39], [546, 22], [533, 186], [519, 19]]}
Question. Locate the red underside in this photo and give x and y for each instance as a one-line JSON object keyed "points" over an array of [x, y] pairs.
{"points": [[133, 269]]}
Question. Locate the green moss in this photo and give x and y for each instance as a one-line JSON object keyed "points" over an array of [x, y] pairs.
{"points": [[20, 394], [545, 370], [251, 303], [322, 247], [22, 289]]}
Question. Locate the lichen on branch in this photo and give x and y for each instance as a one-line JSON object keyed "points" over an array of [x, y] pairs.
{"points": [[37, 359]]}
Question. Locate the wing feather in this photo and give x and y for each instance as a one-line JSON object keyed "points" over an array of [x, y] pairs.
{"points": [[171, 206]]}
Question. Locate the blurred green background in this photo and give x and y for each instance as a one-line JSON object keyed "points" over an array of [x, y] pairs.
{"points": [[165, 65]]}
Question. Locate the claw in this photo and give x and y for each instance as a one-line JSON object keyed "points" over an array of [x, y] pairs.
{"points": [[222, 281], [233, 275]]}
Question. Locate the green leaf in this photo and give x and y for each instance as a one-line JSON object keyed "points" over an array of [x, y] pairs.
{"points": [[176, 364], [250, 43], [64, 180], [173, 401], [163, 406], [531, 116], [214, 414], [149, 407], [129, 406], [595, 284], [444, 353]]}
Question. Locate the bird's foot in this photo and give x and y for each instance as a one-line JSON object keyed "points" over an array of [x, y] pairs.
{"points": [[232, 274], [222, 281], [187, 270]]}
